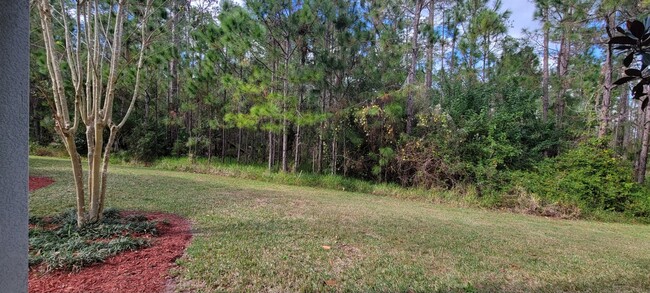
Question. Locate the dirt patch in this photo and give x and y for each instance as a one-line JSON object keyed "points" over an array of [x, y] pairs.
{"points": [[144, 270], [39, 182], [349, 256]]}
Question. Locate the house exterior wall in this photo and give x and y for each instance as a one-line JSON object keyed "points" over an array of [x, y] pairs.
{"points": [[14, 132]]}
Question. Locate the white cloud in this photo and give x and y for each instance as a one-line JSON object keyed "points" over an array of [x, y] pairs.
{"points": [[522, 16]]}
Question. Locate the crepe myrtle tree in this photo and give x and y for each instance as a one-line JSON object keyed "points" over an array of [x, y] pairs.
{"points": [[91, 50], [634, 42]]}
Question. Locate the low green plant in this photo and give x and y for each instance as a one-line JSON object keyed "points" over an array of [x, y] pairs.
{"points": [[591, 177], [57, 242], [52, 150]]}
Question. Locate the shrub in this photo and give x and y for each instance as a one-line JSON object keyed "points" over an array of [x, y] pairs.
{"points": [[148, 142], [52, 150], [590, 176]]}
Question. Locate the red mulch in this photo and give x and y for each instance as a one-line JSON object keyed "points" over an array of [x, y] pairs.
{"points": [[145, 270], [39, 182]]}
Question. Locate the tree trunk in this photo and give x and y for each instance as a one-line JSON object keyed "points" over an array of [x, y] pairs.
{"points": [[239, 138], [486, 48], [209, 144], [643, 154], [270, 136], [296, 145], [94, 172], [285, 90], [334, 147], [607, 83], [563, 66], [270, 144], [77, 172], [428, 80], [93, 104], [624, 109], [147, 100], [321, 133], [410, 80], [223, 144], [545, 68], [442, 42], [172, 91]]}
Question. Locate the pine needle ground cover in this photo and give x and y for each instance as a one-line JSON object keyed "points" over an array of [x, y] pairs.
{"points": [[257, 236]]}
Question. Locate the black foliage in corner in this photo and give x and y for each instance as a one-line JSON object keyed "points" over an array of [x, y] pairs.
{"points": [[634, 43]]}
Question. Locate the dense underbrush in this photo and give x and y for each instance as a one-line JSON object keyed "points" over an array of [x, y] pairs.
{"points": [[589, 182], [589, 178]]}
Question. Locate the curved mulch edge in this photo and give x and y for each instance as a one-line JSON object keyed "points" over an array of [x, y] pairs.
{"points": [[39, 182], [144, 270]]}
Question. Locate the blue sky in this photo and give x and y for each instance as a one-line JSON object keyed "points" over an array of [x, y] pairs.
{"points": [[522, 16]]}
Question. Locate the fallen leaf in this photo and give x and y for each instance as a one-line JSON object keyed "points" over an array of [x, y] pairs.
{"points": [[326, 247], [330, 282]]}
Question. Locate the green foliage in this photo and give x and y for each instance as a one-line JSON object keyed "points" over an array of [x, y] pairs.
{"points": [[57, 243], [590, 176], [321, 86], [147, 142], [52, 150]]}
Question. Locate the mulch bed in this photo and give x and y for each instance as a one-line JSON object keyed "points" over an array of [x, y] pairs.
{"points": [[144, 270], [39, 182]]}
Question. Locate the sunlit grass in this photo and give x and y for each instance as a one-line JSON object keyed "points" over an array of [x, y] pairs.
{"points": [[259, 236]]}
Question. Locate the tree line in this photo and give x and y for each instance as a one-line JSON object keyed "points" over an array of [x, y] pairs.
{"points": [[428, 93]]}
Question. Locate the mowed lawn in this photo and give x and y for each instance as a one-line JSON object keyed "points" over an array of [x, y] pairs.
{"points": [[261, 237]]}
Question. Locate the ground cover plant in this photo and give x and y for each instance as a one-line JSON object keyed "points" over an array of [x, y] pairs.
{"points": [[261, 237], [58, 243]]}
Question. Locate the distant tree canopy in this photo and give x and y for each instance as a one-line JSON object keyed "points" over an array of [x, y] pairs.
{"points": [[430, 93]]}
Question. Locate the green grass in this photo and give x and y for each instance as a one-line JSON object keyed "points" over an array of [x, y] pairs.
{"points": [[462, 196], [512, 198], [258, 236]]}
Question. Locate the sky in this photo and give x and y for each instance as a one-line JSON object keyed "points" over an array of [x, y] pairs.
{"points": [[522, 16]]}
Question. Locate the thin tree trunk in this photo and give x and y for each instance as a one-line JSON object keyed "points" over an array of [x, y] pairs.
{"points": [[285, 90], [239, 138], [410, 81], [643, 154], [563, 66], [428, 80], [607, 84], [345, 158], [545, 68], [442, 42], [209, 145], [296, 145], [270, 143], [321, 139], [77, 172], [334, 147], [624, 107], [485, 57], [452, 63], [172, 91]]}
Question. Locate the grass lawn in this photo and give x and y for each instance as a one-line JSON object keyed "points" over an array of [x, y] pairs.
{"points": [[255, 236]]}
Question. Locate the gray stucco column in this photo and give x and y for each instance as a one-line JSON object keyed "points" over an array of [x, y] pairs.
{"points": [[14, 132]]}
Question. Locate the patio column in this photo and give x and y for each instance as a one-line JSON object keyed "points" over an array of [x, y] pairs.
{"points": [[14, 132]]}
